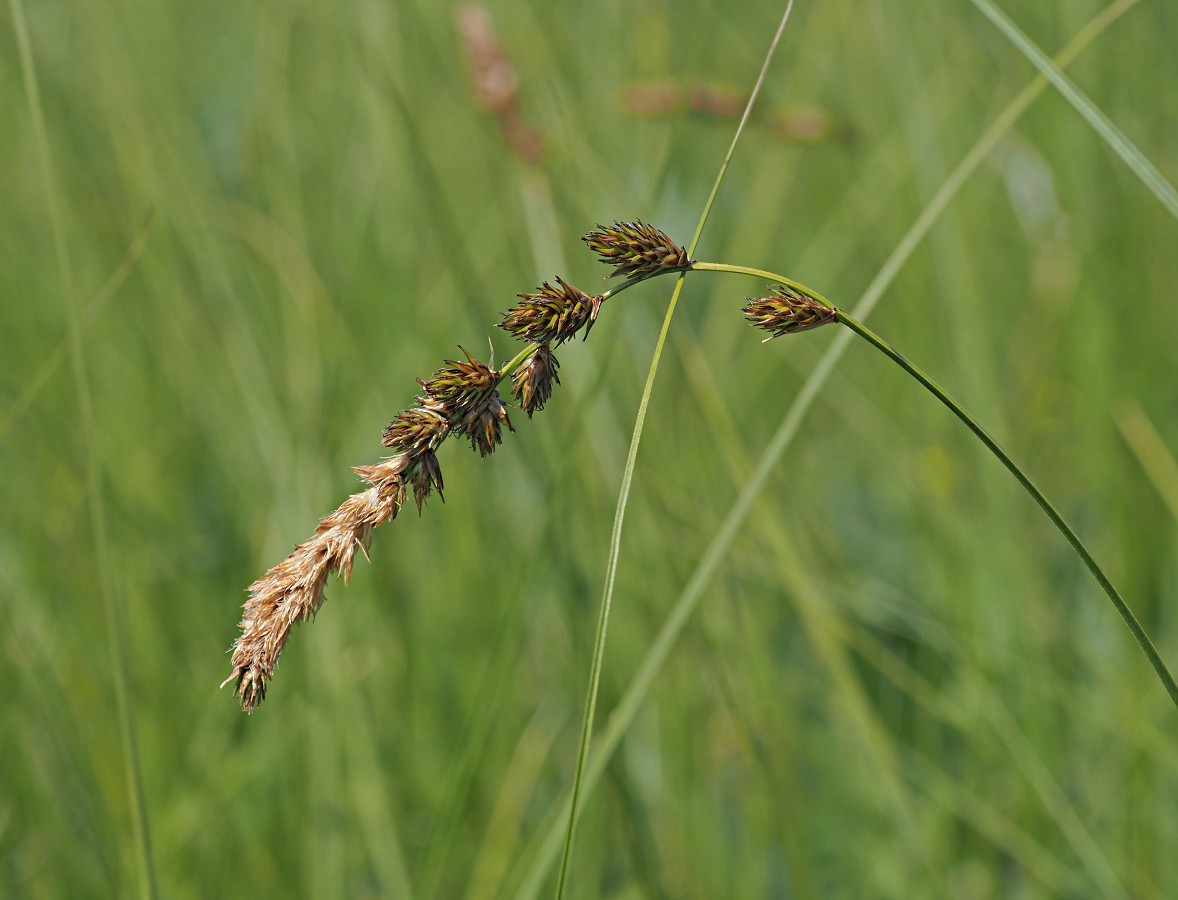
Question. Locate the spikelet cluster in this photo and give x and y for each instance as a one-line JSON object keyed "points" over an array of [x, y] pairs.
{"points": [[465, 394], [415, 434], [637, 250], [787, 311], [460, 398], [547, 317]]}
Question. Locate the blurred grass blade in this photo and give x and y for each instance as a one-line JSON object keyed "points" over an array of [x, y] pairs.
{"points": [[91, 313], [112, 595], [1151, 451], [1121, 145]]}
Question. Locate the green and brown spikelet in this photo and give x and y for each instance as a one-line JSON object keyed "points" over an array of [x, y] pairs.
{"points": [[637, 250], [532, 382], [552, 315], [787, 311], [416, 433], [465, 393]]}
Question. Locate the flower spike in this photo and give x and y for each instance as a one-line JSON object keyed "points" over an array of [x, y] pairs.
{"points": [[787, 311], [637, 250], [552, 315]]}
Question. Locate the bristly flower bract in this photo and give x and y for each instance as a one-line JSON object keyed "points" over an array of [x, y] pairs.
{"points": [[637, 250], [552, 315], [787, 311], [532, 382]]}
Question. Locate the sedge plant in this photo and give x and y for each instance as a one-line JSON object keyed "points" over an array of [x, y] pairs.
{"points": [[463, 398]]}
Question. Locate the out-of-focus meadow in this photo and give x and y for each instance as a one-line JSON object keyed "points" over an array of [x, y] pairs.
{"points": [[232, 236]]}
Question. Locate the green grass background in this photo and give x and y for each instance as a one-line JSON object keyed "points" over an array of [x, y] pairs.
{"points": [[900, 682]]}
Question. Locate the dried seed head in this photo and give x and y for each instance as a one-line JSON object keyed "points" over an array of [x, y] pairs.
{"points": [[637, 250], [552, 315], [787, 311], [532, 382], [416, 431], [292, 591]]}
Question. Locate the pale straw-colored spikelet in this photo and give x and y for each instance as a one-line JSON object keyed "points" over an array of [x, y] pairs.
{"points": [[293, 590]]}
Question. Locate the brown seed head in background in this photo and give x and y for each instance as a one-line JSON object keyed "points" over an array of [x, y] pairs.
{"points": [[495, 81]]}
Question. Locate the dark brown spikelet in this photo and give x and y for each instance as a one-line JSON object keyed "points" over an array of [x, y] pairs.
{"points": [[532, 382], [552, 315], [637, 250], [787, 311], [483, 425], [424, 474], [465, 393]]}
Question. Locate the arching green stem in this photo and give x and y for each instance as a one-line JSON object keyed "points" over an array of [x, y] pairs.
{"points": [[994, 447]]}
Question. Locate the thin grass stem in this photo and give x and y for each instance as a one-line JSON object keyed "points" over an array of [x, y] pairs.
{"points": [[628, 475], [1029, 486], [88, 316]]}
